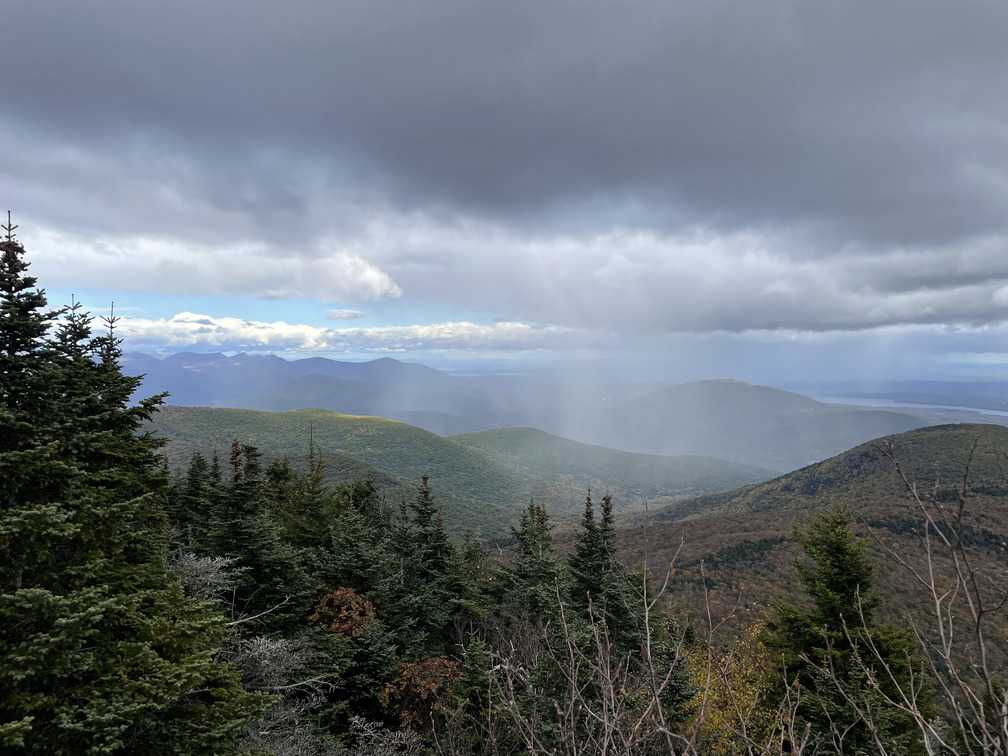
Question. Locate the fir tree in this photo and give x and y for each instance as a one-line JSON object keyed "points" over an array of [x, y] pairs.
{"points": [[23, 356], [190, 513], [479, 582], [433, 574], [100, 651], [589, 560], [536, 573], [360, 552], [301, 501], [826, 654], [598, 580], [273, 585]]}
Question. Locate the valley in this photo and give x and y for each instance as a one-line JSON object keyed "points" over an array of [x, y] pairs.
{"points": [[726, 419], [734, 519]]}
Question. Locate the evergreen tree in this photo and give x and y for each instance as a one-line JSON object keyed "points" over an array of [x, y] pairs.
{"points": [[301, 502], [23, 357], [361, 552], [432, 581], [536, 573], [273, 584], [589, 560], [191, 503], [826, 654], [360, 561], [100, 651], [599, 580], [480, 581]]}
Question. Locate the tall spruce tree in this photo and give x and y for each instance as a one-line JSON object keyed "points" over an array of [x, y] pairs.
{"points": [[273, 584], [433, 575], [191, 504], [100, 651], [589, 560], [534, 577], [599, 580], [826, 649]]}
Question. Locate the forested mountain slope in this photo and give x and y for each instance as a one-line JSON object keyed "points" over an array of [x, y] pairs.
{"points": [[743, 540], [483, 480], [563, 468], [865, 476]]}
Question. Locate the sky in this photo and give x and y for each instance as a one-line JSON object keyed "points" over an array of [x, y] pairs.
{"points": [[777, 191]]}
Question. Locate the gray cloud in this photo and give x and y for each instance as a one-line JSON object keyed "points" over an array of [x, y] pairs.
{"points": [[879, 118], [652, 166]]}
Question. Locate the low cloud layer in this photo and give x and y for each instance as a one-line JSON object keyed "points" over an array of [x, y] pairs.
{"points": [[192, 331]]}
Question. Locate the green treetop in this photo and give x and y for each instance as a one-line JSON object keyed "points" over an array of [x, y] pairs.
{"points": [[100, 651], [841, 661]]}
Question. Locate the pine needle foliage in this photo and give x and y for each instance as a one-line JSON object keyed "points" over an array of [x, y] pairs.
{"points": [[100, 650], [841, 660]]}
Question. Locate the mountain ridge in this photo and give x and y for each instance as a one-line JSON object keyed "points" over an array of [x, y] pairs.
{"points": [[725, 418]]}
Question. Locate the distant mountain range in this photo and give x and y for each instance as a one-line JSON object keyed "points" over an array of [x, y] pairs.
{"points": [[726, 419]]}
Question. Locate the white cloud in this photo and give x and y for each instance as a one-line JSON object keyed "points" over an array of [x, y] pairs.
{"points": [[637, 282], [345, 314], [192, 330], [703, 281], [1000, 296]]}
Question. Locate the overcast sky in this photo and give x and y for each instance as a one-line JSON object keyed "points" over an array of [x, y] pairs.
{"points": [[775, 191]]}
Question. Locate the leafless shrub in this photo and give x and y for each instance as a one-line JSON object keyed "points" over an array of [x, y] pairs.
{"points": [[276, 665], [285, 730], [963, 597], [372, 739], [205, 578], [272, 665]]}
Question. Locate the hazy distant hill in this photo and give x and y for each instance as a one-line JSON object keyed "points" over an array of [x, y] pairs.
{"points": [[443, 405], [731, 420], [562, 469], [481, 481], [209, 380], [745, 423]]}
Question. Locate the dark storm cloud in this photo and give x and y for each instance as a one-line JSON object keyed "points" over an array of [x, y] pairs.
{"points": [[882, 120], [863, 143]]}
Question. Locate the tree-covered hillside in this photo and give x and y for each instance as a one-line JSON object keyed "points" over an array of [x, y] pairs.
{"points": [[484, 479], [725, 419], [565, 468], [735, 549], [865, 474]]}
